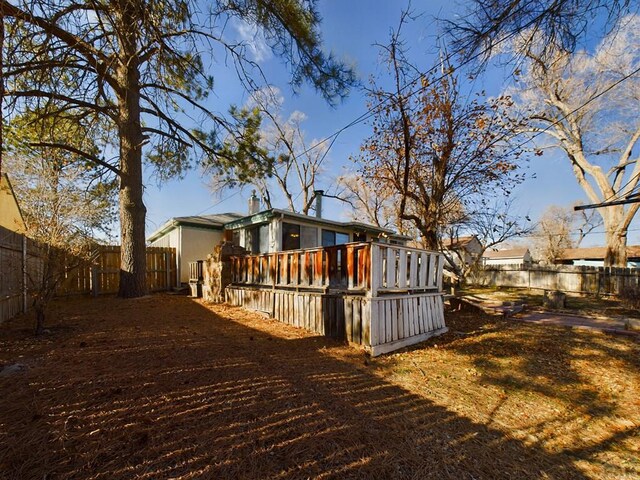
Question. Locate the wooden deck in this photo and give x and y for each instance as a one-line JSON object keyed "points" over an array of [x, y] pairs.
{"points": [[383, 297]]}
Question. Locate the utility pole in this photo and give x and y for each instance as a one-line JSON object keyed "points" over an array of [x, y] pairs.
{"points": [[633, 198]]}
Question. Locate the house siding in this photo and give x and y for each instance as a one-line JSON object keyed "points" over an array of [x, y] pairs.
{"points": [[191, 244]]}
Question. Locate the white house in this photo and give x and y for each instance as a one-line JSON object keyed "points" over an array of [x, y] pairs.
{"points": [[276, 230], [513, 256], [464, 250], [193, 238]]}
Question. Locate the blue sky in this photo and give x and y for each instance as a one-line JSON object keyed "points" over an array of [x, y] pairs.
{"points": [[350, 29]]}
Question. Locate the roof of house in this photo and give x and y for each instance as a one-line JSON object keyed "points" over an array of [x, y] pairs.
{"points": [[509, 253], [595, 253], [265, 215], [459, 242], [213, 222]]}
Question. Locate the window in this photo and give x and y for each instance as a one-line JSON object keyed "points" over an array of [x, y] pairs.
{"points": [[290, 236], [235, 237], [331, 238], [360, 237], [308, 237], [257, 239]]}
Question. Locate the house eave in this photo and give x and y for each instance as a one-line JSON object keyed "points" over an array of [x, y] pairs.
{"points": [[266, 215], [173, 224]]}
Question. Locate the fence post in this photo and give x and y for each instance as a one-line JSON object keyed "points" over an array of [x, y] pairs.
{"points": [[167, 261], [25, 291], [95, 289]]}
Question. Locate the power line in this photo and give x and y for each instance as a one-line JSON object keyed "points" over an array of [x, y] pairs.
{"points": [[370, 111], [634, 199], [218, 202]]}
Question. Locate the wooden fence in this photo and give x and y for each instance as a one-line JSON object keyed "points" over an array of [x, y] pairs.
{"points": [[20, 264], [14, 260], [381, 296], [567, 278], [102, 274]]}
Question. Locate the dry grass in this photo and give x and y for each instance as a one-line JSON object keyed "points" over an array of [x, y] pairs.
{"points": [[576, 304], [165, 387]]}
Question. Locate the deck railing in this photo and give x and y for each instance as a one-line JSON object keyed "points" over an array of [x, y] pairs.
{"points": [[383, 297], [370, 268]]}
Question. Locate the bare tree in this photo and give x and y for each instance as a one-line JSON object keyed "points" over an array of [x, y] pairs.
{"points": [[374, 206], [492, 225], [292, 169], [589, 104], [64, 209], [560, 228], [553, 234], [441, 155]]}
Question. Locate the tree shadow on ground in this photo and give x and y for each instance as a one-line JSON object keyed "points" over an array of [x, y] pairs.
{"points": [[165, 388], [563, 365]]}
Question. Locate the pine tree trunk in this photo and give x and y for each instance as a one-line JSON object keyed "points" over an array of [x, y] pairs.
{"points": [[133, 261]]}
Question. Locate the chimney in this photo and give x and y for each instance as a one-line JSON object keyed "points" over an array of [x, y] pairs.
{"points": [[254, 203], [318, 196]]}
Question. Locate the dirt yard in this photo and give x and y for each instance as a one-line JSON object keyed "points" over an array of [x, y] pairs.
{"points": [[166, 387]]}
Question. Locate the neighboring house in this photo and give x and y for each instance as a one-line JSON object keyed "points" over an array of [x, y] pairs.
{"points": [[10, 214], [594, 256], [513, 256], [276, 230], [463, 250], [192, 237]]}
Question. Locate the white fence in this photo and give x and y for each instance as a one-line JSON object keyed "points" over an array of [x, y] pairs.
{"points": [[567, 278]]}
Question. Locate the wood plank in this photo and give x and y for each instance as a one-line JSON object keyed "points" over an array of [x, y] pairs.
{"points": [[413, 270], [376, 350], [305, 270], [318, 270], [366, 311], [396, 320], [440, 304], [318, 313], [432, 270], [294, 278], [374, 322], [401, 323], [382, 322], [402, 269], [387, 321], [406, 312], [357, 320], [439, 274], [348, 318], [391, 268], [292, 313], [416, 315], [375, 274], [433, 324], [340, 317], [424, 312]]}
